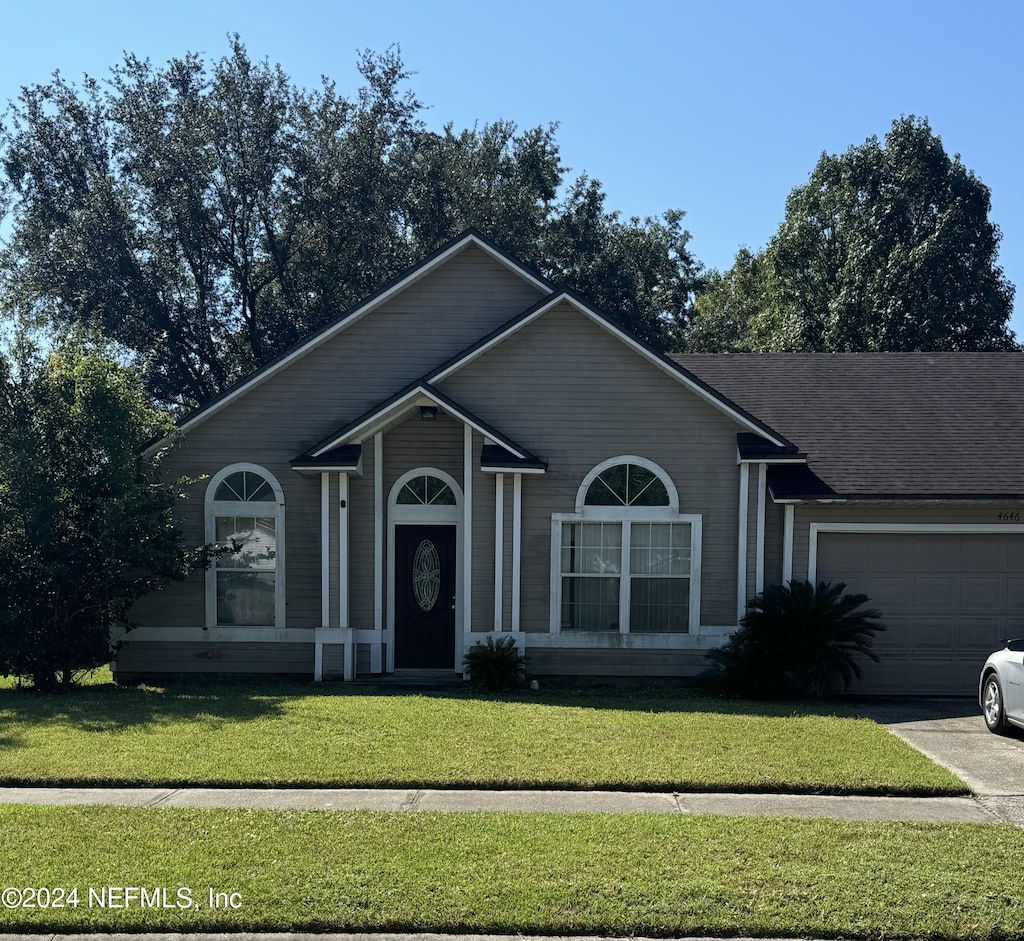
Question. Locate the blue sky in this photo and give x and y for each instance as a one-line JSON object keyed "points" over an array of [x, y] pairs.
{"points": [[719, 109]]}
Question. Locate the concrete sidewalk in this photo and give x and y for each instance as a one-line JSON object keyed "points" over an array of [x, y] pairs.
{"points": [[928, 809]]}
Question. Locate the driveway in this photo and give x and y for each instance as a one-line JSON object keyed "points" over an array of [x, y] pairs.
{"points": [[952, 733]]}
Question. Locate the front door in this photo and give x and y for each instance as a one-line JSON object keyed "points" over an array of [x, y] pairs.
{"points": [[424, 597]]}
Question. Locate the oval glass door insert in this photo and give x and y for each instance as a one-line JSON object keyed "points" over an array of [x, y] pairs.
{"points": [[426, 575]]}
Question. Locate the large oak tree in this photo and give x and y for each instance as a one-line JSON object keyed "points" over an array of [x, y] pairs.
{"points": [[888, 246], [205, 217]]}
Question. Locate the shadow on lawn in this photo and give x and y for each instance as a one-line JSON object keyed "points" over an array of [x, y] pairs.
{"points": [[109, 708], [620, 697]]}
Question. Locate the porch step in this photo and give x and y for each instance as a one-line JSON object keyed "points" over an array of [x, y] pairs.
{"points": [[414, 679]]}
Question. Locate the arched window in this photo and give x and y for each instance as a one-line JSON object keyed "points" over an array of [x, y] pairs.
{"points": [[628, 561], [426, 490], [245, 513], [627, 485]]}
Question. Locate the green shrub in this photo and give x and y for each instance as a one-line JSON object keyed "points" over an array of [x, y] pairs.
{"points": [[796, 641], [497, 666]]}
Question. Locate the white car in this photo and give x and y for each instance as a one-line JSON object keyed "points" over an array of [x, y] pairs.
{"points": [[1001, 690]]}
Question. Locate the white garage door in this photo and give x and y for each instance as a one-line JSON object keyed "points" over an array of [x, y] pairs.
{"points": [[947, 600]]}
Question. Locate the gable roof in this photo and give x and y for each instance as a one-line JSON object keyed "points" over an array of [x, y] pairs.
{"points": [[352, 315], [406, 400], [886, 425], [676, 370]]}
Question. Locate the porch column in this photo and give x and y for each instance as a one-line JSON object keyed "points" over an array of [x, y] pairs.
{"points": [[376, 651], [467, 539], [325, 572], [499, 547], [517, 538], [787, 545], [762, 492], [741, 552], [343, 576]]}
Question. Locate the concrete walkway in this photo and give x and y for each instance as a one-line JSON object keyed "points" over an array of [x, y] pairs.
{"points": [[929, 809]]}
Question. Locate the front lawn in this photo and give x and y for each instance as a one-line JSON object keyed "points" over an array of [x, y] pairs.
{"points": [[262, 732], [646, 874]]}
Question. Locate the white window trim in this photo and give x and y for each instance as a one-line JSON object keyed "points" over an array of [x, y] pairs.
{"points": [[581, 494], [626, 516], [215, 508], [405, 514]]}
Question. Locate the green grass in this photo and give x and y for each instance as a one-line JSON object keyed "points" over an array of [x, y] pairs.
{"points": [[532, 873], [262, 733]]}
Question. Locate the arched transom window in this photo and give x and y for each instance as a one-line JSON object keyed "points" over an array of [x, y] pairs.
{"points": [[245, 514], [426, 490], [627, 560], [627, 485]]}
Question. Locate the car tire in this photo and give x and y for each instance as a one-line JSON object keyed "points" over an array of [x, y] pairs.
{"points": [[993, 705]]}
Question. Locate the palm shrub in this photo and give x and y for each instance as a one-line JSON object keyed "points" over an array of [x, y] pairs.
{"points": [[497, 666], [796, 641]]}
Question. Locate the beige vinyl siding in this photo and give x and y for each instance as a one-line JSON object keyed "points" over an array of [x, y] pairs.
{"points": [[584, 662], [416, 443], [360, 539], [144, 657], [752, 497], [334, 494], [418, 329], [483, 543], [774, 527], [506, 553], [334, 661], [574, 395]]}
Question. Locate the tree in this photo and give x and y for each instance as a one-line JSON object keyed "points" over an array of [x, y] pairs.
{"points": [[205, 218], [639, 272], [886, 247], [84, 532]]}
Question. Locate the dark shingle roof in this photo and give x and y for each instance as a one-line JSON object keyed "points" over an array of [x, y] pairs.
{"points": [[924, 425]]}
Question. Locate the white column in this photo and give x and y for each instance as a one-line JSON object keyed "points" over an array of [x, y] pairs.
{"points": [[378, 553], [343, 576], [467, 538], [787, 545], [499, 547], [325, 549], [325, 573], [762, 492], [517, 539], [741, 555]]}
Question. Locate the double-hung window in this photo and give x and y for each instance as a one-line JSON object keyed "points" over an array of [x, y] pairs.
{"points": [[245, 515], [626, 561]]}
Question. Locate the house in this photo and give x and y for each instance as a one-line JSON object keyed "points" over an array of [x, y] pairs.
{"points": [[474, 451]]}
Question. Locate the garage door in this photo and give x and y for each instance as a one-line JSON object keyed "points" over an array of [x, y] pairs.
{"points": [[947, 600]]}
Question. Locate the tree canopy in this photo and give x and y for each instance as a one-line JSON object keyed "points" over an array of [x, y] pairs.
{"points": [[206, 216], [888, 246]]}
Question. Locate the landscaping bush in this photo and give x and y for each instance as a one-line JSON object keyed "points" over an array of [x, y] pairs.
{"points": [[497, 666], [85, 531], [796, 641]]}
